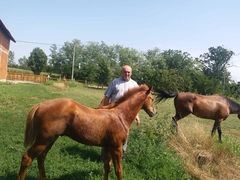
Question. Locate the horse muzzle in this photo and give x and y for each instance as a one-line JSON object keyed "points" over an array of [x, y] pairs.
{"points": [[151, 113]]}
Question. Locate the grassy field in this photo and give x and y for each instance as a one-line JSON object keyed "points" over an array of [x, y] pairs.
{"points": [[153, 152]]}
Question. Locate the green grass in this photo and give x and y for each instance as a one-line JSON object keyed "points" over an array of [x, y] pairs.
{"points": [[148, 156]]}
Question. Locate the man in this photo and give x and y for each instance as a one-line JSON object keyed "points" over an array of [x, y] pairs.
{"points": [[117, 88]]}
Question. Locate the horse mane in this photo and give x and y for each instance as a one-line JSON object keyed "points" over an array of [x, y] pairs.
{"points": [[127, 95], [233, 106]]}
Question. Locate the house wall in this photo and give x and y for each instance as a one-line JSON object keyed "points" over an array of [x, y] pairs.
{"points": [[4, 49]]}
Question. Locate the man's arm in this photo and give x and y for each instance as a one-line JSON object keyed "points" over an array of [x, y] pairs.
{"points": [[106, 101]]}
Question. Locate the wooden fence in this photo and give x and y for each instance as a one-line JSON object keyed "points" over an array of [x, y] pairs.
{"points": [[12, 76]]}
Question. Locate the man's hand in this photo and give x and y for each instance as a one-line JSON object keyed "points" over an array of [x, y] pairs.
{"points": [[137, 119]]}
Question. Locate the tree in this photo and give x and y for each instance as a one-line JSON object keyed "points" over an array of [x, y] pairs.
{"points": [[57, 61], [23, 62], [111, 54], [155, 58], [215, 62], [203, 84], [104, 72], [234, 90], [178, 60], [180, 65], [11, 59], [88, 61], [37, 60], [128, 56]]}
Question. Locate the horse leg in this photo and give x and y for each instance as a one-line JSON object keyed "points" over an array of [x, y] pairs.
{"points": [[174, 122], [116, 154], [124, 148], [175, 119], [219, 133], [179, 115], [215, 127], [40, 159], [102, 155], [107, 162], [27, 159]]}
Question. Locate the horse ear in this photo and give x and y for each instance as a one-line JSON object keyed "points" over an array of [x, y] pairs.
{"points": [[150, 88]]}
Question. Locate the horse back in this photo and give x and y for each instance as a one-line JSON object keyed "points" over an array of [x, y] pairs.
{"points": [[209, 107], [184, 103], [65, 117]]}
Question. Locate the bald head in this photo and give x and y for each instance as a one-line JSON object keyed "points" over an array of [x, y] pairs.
{"points": [[126, 72]]}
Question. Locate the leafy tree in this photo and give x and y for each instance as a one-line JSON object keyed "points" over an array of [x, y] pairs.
{"points": [[155, 58], [128, 56], [73, 54], [215, 62], [234, 90], [203, 84], [88, 61], [171, 69], [152, 64], [111, 53], [179, 66], [23, 62], [169, 80], [104, 72], [57, 61], [11, 59], [37, 60], [61, 60], [53, 62], [177, 60]]}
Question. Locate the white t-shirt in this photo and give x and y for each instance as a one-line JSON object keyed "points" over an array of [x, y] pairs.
{"points": [[117, 88]]}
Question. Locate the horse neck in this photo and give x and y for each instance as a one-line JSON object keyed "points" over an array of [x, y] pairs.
{"points": [[234, 107], [235, 110], [131, 107]]}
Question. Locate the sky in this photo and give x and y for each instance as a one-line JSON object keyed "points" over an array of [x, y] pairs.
{"points": [[191, 26]]}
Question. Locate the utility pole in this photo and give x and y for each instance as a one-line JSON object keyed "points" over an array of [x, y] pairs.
{"points": [[224, 81], [73, 60], [224, 76]]}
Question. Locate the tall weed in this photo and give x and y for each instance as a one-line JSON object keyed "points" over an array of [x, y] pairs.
{"points": [[204, 157]]}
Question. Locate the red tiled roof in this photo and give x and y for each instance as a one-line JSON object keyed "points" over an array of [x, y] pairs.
{"points": [[5, 31]]}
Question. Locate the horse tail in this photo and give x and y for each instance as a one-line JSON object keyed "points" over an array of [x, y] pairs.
{"points": [[30, 134], [163, 95]]}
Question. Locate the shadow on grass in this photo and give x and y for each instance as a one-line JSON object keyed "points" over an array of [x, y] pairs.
{"points": [[85, 152], [83, 175], [13, 176]]}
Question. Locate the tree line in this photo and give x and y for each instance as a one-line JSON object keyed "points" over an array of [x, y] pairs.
{"points": [[172, 70]]}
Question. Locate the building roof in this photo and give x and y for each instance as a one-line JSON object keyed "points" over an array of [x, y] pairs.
{"points": [[5, 31]]}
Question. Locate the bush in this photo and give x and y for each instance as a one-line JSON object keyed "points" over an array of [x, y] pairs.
{"points": [[148, 152]]}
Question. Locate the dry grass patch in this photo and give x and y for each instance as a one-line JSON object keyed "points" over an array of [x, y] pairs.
{"points": [[204, 157], [60, 85]]}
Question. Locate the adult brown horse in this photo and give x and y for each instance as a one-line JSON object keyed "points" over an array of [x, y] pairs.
{"points": [[108, 127], [215, 107]]}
